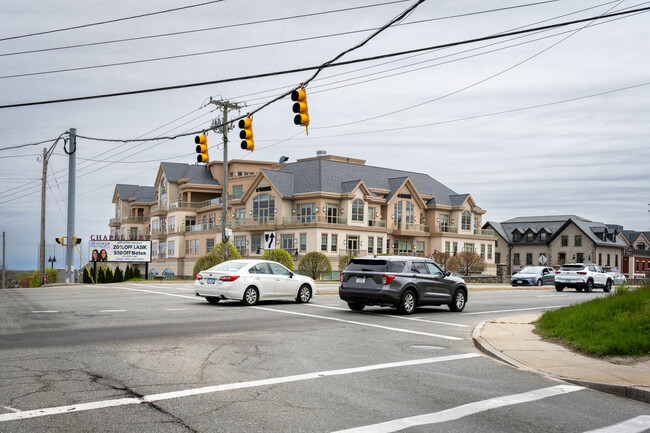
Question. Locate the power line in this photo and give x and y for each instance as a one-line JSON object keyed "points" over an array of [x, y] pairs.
{"points": [[110, 21], [311, 68], [28, 144], [227, 26]]}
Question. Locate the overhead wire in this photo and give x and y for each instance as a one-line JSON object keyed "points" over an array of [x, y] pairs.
{"points": [[338, 64]]}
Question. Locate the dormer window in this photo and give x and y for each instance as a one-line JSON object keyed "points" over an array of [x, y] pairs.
{"points": [[543, 236], [530, 236], [516, 236]]}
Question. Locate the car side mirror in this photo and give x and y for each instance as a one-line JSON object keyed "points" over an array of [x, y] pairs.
{"points": [[290, 274], [446, 273]]}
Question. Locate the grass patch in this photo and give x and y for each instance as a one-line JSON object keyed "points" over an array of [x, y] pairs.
{"points": [[618, 324]]}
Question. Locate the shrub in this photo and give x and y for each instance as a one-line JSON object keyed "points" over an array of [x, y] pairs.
{"points": [[315, 265], [137, 274], [279, 255], [118, 276], [344, 261], [128, 273], [215, 257], [93, 275], [34, 280], [86, 276], [24, 282], [52, 275], [442, 259], [466, 263], [108, 275]]}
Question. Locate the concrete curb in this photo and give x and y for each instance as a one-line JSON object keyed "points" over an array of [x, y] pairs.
{"points": [[639, 393]]}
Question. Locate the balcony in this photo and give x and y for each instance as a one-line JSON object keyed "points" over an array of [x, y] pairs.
{"points": [[260, 221], [135, 219], [484, 232], [445, 229], [404, 227], [158, 231], [114, 222], [377, 223], [313, 219]]}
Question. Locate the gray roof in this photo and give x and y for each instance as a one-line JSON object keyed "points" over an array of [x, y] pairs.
{"points": [[632, 235], [140, 193], [323, 175], [554, 225], [284, 182], [197, 174]]}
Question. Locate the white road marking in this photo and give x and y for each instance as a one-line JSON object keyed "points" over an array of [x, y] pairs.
{"points": [[352, 322], [516, 309], [175, 309], [226, 387], [45, 311], [112, 311], [633, 425], [417, 319], [552, 296], [11, 409], [156, 293], [464, 410]]}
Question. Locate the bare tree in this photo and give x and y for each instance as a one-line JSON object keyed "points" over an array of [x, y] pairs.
{"points": [[442, 258], [467, 263]]}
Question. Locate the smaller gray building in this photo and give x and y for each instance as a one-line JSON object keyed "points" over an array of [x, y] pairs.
{"points": [[555, 240]]}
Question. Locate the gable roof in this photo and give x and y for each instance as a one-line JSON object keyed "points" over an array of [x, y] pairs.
{"points": [[144, 194], [197, 174]]}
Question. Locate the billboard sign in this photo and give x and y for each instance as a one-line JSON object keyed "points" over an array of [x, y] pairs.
{"points": [[119, 251]]}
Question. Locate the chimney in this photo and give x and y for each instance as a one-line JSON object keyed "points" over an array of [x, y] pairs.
{"points": [[321, 152]]}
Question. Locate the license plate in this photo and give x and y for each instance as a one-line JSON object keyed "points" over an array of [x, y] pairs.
{"points": [[210, 280], [518, 281], [361, 280]]}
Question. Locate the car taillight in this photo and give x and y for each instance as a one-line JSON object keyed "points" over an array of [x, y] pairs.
{"points": [[558, 272], [341, 278], [581, 273], [386, 279], [229, 277], [199, 277]]}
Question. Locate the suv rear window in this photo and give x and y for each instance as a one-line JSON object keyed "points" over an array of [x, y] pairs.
{"points": [[572, 267], [373, 265]]}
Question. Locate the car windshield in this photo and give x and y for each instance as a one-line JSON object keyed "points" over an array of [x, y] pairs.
{"points": [[531, 270], [373, 265], [229, 266]]}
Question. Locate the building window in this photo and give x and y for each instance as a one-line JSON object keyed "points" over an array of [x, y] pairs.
{"points": [[171, 223], [287, 242], [237, 191], [209, 244], [640, 246], [263, 208], [187, 247], [240, 244], [600, 259], [466, 221], [444, 223], [578, 241], [303, 241], [543, 236], [530, 236], [196, 246], [323, 242], [306, 212], [240, 217], [455, 247], [171, 248], [580, 257], [608, 263], [516, 236], [476, 223], [371, 245], [357, 210], [419, 247], [256, 244], [380, 245], [483, 251], [489, 252], [565, 241], [371, 216], [448, 247], [497, 258], [469, 248], [616, 260], [561, 258], [334, 239], [154, 249], [529, 258], [515, 259]]}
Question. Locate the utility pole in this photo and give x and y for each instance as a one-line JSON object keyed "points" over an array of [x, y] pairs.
{"points": [[41, 261], [225, 106], [4, 269], [72, 170]]}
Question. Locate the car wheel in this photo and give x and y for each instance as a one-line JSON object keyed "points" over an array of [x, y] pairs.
{"points": [[212, 299], [590, 286], [559, 288], [578, 289], [608, 286], [251, 296], [407, 303], [356, 307], [540, 282], [458, 301], [304, 294]]}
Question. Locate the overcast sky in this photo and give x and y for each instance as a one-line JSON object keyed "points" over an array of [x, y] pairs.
{"points": [[546, 123]]}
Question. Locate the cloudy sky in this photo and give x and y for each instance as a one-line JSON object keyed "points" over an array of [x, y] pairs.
{"points": [[543, 123]]}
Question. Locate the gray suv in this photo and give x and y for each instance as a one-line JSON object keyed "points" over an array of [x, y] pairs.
{"points": [[400, 282]]}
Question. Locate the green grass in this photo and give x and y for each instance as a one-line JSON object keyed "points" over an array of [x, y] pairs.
{"points": [[618, 324]]}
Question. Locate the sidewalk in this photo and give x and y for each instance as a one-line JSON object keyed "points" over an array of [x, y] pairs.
{"points": [[512, 340]]}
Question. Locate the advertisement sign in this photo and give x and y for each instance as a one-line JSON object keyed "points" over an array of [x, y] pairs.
{"points": [[119, 251]]}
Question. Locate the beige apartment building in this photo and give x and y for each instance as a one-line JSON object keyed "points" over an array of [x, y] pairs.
{"points": [[555, 240], [331, 204]]}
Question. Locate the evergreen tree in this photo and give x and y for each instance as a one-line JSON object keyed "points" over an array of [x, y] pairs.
{"points": [[86, 276], [93, 275], [128, 274], [118, 276], [101, 278], [108, 275], [137, 274]]}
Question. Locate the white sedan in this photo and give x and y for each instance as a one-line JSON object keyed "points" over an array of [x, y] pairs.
{"points": [[251, 281]]}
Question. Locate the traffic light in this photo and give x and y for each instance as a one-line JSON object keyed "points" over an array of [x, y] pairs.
{"points": [[246, 133], [300, 107], [202, 148], [76, 240], [60, 240]]}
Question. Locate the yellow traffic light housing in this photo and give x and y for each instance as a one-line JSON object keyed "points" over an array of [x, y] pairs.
{"points": [[76, 240], [300, 107], [246, 133], [61, 240], [202, 148]]}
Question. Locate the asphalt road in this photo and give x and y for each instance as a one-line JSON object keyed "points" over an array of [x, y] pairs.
{"points": [[154, 358]]}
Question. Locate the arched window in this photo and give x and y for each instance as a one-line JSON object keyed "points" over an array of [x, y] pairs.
{"points": [[153, 272], [357, 210], [168, 272], [263, 208], [466, 221]]}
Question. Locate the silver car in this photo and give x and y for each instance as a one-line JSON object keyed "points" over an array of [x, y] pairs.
{"points": [[618, 278], [534, 276]]}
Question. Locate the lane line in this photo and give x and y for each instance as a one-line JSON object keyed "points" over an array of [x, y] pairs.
{"points": [[112, 311], [464, 410], [352, 322], [175, 309], [45, 311], [11, 409], [157, 293], [633, 425], [225, 387], [508, 311], [417, 319]]}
